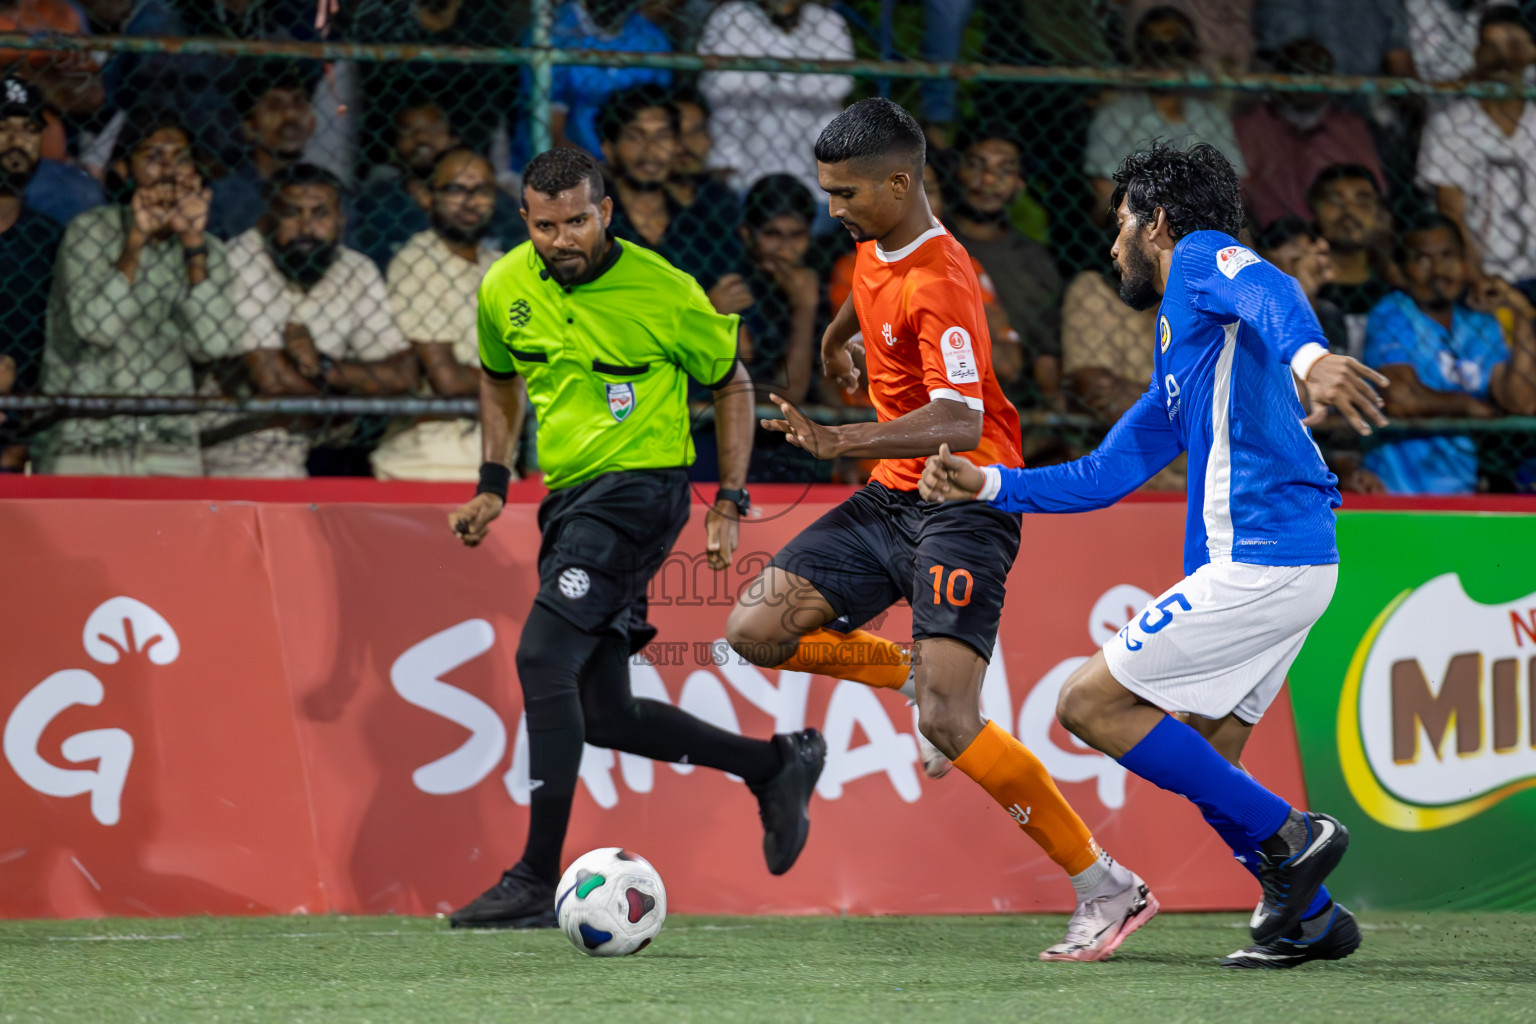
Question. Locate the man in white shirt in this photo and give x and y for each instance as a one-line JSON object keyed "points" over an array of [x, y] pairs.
{"points": [[1442, 35], [1479, 157], [767, 123], [433, 285], [317, 321]]}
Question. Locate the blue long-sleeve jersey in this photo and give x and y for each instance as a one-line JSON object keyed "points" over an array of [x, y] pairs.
{"points": [[1221, 389]]}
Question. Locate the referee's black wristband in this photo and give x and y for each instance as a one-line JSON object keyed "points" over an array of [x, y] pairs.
{"points": [[494, 479]]}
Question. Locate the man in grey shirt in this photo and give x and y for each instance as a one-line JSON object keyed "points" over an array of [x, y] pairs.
{"points": [[139, 293], [1126, 121]]}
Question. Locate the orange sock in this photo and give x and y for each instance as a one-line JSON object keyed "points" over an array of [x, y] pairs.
{"points": [[1017, 780], [861, 656]]}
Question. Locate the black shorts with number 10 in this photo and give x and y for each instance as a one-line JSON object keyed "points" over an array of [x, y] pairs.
{"points": [[949, 561]]}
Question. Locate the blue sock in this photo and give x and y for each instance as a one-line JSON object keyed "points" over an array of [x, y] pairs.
{"points": [[1176, 758], [1246, 854]]}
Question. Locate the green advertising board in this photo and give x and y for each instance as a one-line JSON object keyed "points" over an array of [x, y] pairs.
{"points": [[1415, 701]]}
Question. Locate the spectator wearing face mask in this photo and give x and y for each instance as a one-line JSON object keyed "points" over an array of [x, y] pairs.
{"points": [[1164, 41], [1223, 28], [1288, 139]]}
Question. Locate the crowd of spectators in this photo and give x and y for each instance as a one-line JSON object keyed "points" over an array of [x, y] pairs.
{"points": [[177, 224]]}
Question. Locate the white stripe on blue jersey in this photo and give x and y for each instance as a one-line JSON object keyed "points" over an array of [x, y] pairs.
{"points": [[1221, 389]]}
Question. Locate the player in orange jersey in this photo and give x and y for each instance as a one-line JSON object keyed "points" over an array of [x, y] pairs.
{"points": [[928, 353]]}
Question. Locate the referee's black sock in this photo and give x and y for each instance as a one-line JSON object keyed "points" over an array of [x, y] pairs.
{"points": [[550, 657], [554, 758], [650, 728]]}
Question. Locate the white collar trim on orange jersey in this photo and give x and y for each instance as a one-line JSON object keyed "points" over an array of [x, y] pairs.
{"points": [[910, 247]]}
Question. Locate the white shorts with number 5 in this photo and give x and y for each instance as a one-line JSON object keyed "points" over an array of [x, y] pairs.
{"points": [[1222, 640]]}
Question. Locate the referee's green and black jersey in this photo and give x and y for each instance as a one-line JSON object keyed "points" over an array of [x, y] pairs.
{"points": [[606, 362]]}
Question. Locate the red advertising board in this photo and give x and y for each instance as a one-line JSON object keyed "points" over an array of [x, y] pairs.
{"points": [[217, 706]]}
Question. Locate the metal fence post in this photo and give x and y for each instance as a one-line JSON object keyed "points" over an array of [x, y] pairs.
{"points": [[543, 77]]}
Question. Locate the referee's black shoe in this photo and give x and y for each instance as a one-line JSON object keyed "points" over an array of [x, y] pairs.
{"points": [[1292, 876], [783, 800], [519, 900], [1332, 934]]}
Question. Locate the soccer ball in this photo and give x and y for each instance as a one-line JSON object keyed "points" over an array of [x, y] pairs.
{"points": [[611, 902]]}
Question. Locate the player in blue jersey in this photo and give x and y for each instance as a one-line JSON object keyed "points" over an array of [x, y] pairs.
{"points": [[1174, 696]]}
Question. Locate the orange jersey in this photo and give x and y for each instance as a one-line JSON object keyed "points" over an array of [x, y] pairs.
{"points": [[840, 281], [925, 338]]}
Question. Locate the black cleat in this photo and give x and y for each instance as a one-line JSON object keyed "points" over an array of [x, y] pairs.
{"points": [[783, 800], [1290, 882], [517, 901], [1331, 935]]}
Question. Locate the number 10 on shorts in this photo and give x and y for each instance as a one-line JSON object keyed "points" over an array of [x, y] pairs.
{"points": [[956, 590]]}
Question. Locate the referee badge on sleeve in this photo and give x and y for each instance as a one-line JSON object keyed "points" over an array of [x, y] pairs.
{"points": [[621, 400]]}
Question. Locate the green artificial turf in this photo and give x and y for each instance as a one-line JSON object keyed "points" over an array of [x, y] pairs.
{"points": [[1413, 967]]}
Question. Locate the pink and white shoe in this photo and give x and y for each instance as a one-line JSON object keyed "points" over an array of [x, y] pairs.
{"points": [[1101, 923]]}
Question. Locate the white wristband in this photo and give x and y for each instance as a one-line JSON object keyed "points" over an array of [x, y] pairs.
{"points": [[994, 485], [1305, 357]]}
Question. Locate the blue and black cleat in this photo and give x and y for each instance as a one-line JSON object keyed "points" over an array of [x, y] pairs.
{"points": [[1331, 935]]}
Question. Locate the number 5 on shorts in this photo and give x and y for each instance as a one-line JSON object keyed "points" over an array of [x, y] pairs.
{"points": [[958, 579], [1167, 617]]}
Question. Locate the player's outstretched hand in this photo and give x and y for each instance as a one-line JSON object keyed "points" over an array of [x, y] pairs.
{"points": [[1350, 387], [799, 431], [471, 521], [948, 477]]}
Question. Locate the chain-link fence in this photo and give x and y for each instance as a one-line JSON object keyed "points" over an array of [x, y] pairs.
{"points": [[246, 246]]}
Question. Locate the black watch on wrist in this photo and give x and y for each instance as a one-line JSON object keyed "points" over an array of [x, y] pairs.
{"points": [[737, 496]]}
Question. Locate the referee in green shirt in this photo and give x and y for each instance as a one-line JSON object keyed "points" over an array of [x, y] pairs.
{"points": [[603, 336]]}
